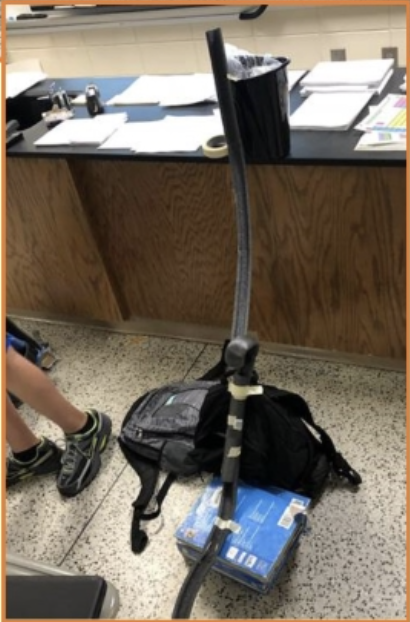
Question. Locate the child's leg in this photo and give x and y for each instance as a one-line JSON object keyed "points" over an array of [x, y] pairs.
{"points": [[31, 385], [18, 434], [87, 434]]}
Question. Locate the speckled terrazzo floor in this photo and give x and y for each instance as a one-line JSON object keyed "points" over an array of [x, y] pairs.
{"points": [[350, 566]]}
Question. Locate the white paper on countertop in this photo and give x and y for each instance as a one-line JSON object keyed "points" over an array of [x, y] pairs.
{"points": [[172, 134], [22, 75], [329, 111], [82, 132], [349, 73], [172, 90]]}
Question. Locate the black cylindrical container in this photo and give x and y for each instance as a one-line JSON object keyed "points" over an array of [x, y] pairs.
{"points": [[262, 107]]}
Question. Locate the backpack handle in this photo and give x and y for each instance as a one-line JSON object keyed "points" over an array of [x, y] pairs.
{"points": [[339, 464], [343, 469]]}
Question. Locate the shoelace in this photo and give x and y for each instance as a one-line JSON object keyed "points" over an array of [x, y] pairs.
{"points": [[69, 459]]}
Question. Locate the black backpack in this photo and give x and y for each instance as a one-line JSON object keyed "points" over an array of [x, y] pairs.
{"points": [[180, 429]]}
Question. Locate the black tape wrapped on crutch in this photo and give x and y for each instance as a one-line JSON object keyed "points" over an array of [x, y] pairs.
{"points": [[242, 350]]}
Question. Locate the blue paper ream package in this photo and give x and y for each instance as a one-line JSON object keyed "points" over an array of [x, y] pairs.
{"points": [[269, 525]]}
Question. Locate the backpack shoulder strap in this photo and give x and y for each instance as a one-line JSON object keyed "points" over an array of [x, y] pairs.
{"points": [[148, 472], [300, 408], [339, 464], [219, 370]]}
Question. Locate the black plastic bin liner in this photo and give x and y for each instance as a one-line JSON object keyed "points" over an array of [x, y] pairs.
{"points": [[262, 106]]}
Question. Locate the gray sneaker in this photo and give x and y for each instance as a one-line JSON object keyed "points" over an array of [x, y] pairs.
{"points": [[46, 462], [81, 460]]}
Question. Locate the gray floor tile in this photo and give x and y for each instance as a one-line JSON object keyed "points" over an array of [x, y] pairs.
{"points": [[351, 565], [148, 583]]}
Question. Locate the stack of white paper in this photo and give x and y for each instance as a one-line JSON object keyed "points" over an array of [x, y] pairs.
{"points": [[329, 111], [144, 90], [385, 127], [167, 91], [294, 76], [169, 135], [125, 136], [189, 90], [22, 75], [348, 76], [83, 131]]}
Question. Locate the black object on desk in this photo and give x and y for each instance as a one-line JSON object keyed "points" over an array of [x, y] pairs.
{"points": [[61, 100], [24, 16], [93, 100], [54, 597], [13, 133]]}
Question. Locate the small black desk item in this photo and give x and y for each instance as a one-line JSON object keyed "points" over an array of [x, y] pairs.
{"points": [[60, 99], [54, 597], [24, 16], [13, 133], [93, 100]]}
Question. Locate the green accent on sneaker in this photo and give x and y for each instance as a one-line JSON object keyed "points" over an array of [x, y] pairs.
{"points": [[82, 458], [47, 462]]}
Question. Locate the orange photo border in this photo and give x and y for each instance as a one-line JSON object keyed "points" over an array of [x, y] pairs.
{"points": [[295, 3]]}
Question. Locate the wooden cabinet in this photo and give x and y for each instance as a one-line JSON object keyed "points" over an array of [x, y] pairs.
{"points": [[113, 240]]}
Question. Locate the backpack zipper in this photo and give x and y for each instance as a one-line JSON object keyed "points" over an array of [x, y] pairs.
{"points": [[141, 433]]}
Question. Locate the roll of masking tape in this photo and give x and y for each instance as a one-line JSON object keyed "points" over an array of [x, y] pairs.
{"points": [[215, 148]]}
